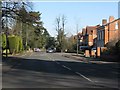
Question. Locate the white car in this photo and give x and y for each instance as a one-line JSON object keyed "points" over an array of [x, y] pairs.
{"points": [[49, 50], [94, 49], [37, 50]]}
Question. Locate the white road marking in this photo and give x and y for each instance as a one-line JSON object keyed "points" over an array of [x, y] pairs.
{"points": [[71, 69], [84, 76], [57, 62], [66, 67]]}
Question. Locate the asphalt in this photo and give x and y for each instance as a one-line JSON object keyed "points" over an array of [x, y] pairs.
{"points": [[53, 70]]}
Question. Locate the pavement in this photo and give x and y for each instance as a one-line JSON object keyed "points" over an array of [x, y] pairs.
{"points": [[81, 58]]}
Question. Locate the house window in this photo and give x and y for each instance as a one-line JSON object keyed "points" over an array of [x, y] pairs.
{"points": [[116, 25], [100, 35]]}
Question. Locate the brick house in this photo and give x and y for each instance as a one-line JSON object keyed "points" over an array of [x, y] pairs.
{"points": [[102, 36], [107, 33], [89, 34]]}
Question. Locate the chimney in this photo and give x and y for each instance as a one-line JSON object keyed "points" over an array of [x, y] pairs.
{"points": [[111, 18], [104, 21]]}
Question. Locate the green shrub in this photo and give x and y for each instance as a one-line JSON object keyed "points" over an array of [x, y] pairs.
{"points": [[15, 44], [118, 46], [27, 47], [12, 44], [0, 40], [3, 41], [20, 44]]}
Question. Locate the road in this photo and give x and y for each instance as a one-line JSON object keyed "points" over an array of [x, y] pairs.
{"points": [[52, 70]]}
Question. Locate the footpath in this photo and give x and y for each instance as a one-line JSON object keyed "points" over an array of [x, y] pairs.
{"points": [[84, 59]]}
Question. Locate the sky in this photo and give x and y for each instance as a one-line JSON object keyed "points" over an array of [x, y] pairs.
{"points": [[81, 13]]}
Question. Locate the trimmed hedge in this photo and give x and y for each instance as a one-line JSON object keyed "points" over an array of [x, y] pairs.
{"points": [[3, 41], [20, 44], [15, 44], [0, 40]]}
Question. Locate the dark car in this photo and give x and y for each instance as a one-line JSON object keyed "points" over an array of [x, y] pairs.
{"points": [[83, 48]]}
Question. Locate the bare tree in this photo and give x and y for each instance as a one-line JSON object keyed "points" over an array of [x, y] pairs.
{"points": [[58, 23], [63, 22], [60, 27]]}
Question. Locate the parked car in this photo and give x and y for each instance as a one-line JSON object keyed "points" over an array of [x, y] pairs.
{"points": [[83, 48], [49, 50], [37, 50], [94, 49]]}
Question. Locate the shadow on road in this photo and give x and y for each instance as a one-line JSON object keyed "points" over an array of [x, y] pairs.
{"points": [[89, 69]]}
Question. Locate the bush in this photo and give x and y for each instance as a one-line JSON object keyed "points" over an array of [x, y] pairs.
{"points": [[117, 46], [0, 44], [15, 44], [27, 47], [20, 44], [3, 41], [114, 50]]}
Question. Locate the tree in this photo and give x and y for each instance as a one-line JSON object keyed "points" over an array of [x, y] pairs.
{"points": [[10, 15], [60, 30], [117, 45], [2, 41], [50, 42], [24, 23], [71, 44]]}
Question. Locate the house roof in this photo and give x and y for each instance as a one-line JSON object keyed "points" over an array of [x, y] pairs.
{"points": [[108, 23], [89, 29]]}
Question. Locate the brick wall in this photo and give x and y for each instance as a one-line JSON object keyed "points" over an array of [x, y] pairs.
{"points": [[106, 35], [119, 29], [111, 32], [84, 31], [98, 51], [90, 40]]}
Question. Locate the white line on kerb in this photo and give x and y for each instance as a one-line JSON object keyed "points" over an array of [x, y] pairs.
{"points": [[83, 76]]}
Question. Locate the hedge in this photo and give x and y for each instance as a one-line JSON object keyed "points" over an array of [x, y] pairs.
{"points": [[20, 44], [3, 41], [0, 40], [15, 44]]}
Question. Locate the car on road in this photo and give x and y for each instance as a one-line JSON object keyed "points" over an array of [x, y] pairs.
{"points": [[83, 48], [94, 49], [50, 50], [37, 50]]}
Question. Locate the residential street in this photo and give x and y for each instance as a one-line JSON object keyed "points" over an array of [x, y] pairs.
{"points": [[52, 70]]}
